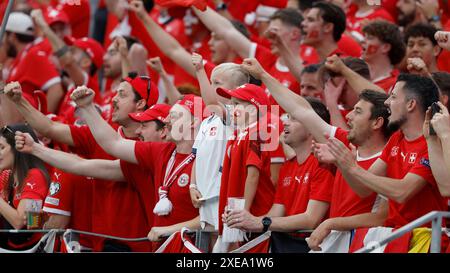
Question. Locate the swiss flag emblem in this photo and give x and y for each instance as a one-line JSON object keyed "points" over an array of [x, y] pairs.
{"points": [[213, 131]]}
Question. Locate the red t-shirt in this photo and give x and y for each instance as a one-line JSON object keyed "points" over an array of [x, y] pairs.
{"points": [[154, 156], [354, 20], [299, 183], [71, 195], [242, 152], [142, 181], [79, 16], [33, 69], [34, 187], [345, 202], [349, 47], [402, 157], [116, 207], [387, 82], [270, 62]]}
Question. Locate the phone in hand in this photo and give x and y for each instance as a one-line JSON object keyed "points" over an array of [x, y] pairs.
{"points": [[434, 109]]}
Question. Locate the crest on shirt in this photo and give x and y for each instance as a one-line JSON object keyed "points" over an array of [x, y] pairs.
{"points": [[287, 181], [54, 188], [213, 131], [394, 151], [183, 180], [412, 158]]}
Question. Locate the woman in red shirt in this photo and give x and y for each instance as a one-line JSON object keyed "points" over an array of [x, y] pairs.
{"points": [[23, 177]]}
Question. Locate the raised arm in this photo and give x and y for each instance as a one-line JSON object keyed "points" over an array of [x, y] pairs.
{"points": [[399, 190], [356, 81], [102, 169], [56, 131], [223, 28], [294, 104], [65, 57], [166, 43], [439, 147], [291, 59], [209, 95], [370, 219], [103, 133], [171, 91]]}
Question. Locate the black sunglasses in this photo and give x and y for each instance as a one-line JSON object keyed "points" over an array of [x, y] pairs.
{"points": [[148, 86], [6, 130]]}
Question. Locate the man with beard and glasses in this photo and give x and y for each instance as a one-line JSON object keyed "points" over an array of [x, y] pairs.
{"points": [[402, 173], [31, 66]]}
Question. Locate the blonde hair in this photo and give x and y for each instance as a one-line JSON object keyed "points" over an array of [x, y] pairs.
{"points": [[238, 75]]}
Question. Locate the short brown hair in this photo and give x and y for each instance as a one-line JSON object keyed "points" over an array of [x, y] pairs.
{"points": [[390, 34], [355, 64], [289, 16]]}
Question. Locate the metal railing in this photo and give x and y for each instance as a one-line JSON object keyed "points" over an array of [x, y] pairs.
{"points": [[436, 231]]}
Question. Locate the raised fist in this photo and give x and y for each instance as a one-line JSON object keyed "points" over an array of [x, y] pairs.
{"points": [[13, 91], [83, 96], [253, 67]]}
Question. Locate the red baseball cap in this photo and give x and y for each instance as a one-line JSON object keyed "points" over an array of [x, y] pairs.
{"points": [[52, 16], [155, 112], [193, 104], [92, 48], [145, 87], [247, 92]]}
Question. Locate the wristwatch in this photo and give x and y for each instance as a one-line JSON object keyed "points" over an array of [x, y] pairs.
{"points": [[266, 221], [221, 6]]}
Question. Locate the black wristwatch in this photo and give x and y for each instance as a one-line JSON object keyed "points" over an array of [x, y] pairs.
{"points": [[266, 221], [221, 6]]}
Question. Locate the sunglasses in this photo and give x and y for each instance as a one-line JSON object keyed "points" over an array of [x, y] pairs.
{"points": [[7, 131], [148, 85]]}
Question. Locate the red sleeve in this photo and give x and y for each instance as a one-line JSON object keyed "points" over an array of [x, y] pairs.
{"points": [[253, 157], [83, 140], [322, 185], [35, 186], [60, 195], [209, 67], [79, 17], [39, 70], [387, 149], [422, 168], [341, 135], [265, 57], [147, 152], [129, 170]]}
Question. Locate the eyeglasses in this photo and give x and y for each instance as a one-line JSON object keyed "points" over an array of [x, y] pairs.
{"points": [[148, 86], [6, 130]]}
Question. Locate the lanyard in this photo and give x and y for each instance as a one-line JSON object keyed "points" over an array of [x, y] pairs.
{"points": [[170, 176]]}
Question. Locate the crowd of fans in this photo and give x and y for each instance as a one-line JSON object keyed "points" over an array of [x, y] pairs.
{"points": [[328, 119]]}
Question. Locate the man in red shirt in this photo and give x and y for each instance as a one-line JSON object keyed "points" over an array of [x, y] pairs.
{"points": [[170, 163], [402, 173], [61, 202], [304, 186], [323, 27], [383, 49], [421, 43], [112, 201], [368, 130], [360, 13], [31, 66]]}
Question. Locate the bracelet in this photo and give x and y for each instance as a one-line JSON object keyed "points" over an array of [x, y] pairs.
{"points": [[192, 186], [60, 52]]}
